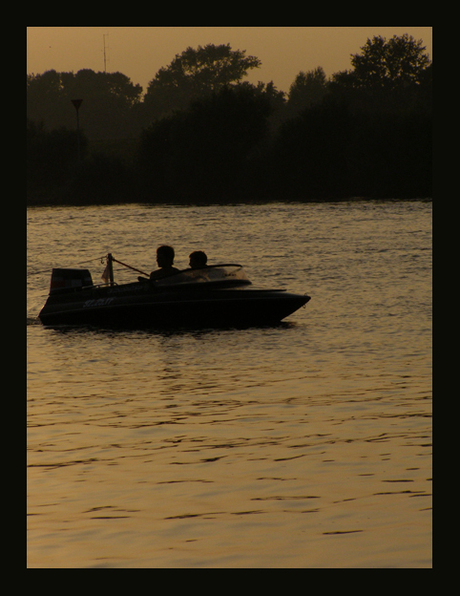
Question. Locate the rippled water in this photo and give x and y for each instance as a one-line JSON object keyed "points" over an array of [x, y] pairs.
{"points": [[302, 445]]}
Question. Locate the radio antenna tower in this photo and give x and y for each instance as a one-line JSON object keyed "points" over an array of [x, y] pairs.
{"points": [[105, 54]]}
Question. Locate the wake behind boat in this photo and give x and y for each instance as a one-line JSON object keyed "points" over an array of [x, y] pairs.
{"points": [[213, 296]]}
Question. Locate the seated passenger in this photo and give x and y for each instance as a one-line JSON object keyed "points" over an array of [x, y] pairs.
{"points": [[198, 259], [165, 260]]}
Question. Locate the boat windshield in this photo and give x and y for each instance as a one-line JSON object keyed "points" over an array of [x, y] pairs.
{"points": [[227, 275]]}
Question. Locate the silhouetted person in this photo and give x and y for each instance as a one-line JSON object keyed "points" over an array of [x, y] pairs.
{"points": [[198, 259], [165, 260]]}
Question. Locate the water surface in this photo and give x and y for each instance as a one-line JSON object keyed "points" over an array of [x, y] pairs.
{"points": [[302, 445]]}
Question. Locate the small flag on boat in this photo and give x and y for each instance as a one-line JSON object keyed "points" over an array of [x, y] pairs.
{"points": [[106, 275]]}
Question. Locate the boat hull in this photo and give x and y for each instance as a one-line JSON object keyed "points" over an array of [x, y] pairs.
{"points": [[138, 306]]}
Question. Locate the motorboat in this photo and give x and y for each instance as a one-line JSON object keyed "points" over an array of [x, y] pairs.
{"points": [[212, 296]]}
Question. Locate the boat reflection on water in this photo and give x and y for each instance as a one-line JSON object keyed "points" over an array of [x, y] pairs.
{"points": [[214, 296]]}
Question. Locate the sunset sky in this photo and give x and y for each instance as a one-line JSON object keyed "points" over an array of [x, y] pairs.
{"points": [[139, 52]]}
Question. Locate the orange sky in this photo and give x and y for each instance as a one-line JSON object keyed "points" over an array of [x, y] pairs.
{"points": [[139, 52]]}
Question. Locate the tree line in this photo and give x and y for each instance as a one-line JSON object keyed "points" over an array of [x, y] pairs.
{"points": [[201, 134]]}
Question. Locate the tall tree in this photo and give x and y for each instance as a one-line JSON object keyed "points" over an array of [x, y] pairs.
{"points": [[194, 74], [398, 61], [308, 89]]}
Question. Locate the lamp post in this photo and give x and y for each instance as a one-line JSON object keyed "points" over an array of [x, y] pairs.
{"points": [[76, 104]]}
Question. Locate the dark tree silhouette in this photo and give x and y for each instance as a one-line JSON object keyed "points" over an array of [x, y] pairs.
{"points": [[108, 99], [193, 74], [200, 154], [388, 64]]}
